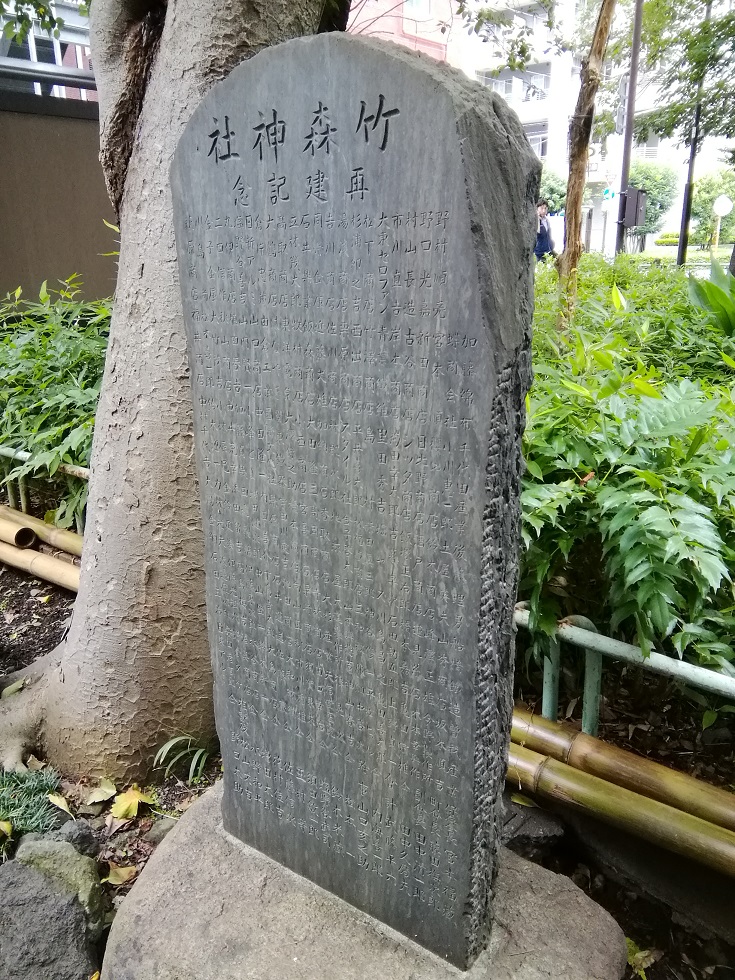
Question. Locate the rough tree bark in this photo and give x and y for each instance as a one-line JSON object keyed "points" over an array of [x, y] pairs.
{"points": [[580, 130], [134, 668]]}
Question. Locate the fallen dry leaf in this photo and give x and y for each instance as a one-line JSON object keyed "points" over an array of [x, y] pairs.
{"points": [[126, 804], [60, 802], [113, 824], [12, 689], [120, 875], [105, 791]]}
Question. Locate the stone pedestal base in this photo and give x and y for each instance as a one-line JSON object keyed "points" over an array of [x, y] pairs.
{"points": [[209, 908]]}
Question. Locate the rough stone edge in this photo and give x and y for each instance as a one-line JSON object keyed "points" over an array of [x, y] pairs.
{"points": [[477, 111]]}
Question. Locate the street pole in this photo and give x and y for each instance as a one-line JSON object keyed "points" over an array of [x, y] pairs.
{"points": [[686, 211], [629, 119]]}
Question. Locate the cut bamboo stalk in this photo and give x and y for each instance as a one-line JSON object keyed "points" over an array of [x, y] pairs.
{"points": [[18, 535], [656, 822], [623, 768], [55, 536], [42, 566]]}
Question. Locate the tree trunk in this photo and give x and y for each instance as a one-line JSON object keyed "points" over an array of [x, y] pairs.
{"points": [[580, 130], [135, 669]]}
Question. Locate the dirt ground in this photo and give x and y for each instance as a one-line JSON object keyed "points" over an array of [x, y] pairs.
{"points": [[34, 616]]}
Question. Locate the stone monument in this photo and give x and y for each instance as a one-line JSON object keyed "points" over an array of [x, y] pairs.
{"points": [[355, 227]]}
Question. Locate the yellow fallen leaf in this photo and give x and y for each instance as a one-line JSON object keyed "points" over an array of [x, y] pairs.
{"points": [[34, 764], [105, 791], [95, 976], [12, 689], [6, 828], [120, 875], [60, 802], [126, 804]]}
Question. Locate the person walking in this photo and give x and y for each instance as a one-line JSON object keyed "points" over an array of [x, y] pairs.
{"points": [[544, 243]]}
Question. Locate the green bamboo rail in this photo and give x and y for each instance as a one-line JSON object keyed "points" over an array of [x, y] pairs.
{"points": [[656, 822], [622, 768]]}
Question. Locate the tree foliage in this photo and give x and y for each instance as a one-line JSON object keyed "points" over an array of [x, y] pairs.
{"points": [[660, 182], [554, 190], [706, 189], [691, 54], [19, 15], [511, 40]]}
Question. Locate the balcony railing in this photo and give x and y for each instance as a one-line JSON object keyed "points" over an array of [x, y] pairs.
{"points": [[36, 71]]}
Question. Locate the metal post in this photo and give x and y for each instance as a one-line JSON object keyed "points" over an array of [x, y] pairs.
{"points": [[715, 238], [686, 211], [550, 699], [629, 120], [592, 691]]}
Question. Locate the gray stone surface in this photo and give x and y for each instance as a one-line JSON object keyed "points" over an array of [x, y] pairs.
{"points": [[43, 932], [354, 228], [68, 870], [209, 908], [529, 831], [162, 827], [80, 834]]}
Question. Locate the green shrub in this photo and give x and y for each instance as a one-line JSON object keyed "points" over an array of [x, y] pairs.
{"points": [[25, 804], [629, 495], [52, 355], [660, 183], [668, 238], [717, 297]]}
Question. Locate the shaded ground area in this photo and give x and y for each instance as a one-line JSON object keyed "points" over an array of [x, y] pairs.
{"points": [[34, 617], [667, 951]]}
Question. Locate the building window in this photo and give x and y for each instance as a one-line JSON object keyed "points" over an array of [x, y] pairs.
{"points": [[503, 86], [416, 8], [538, 137], [647, 150]]}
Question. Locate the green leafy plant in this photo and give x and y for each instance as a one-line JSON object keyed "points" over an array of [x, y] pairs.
{"points": [[25, 806], [668, 238], [716, 296], [660, 183], [52, 355], [183, 750], [639, 959], [706, 189], [554, 190], [628, 498]]}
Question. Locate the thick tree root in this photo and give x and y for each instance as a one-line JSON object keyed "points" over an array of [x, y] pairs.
{"points": [[22, 718]]}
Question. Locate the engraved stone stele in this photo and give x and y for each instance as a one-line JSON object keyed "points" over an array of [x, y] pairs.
{"points": [[354, 228]]}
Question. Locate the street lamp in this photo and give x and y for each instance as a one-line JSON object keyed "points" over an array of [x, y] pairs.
{"points": [[722, 206]]}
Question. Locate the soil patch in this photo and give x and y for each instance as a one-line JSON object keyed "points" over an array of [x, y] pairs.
{"points": [[34, 617]]}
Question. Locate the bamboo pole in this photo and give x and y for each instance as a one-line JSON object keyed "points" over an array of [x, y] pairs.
{"points": [[21, 456], [50, 569], [656, 822], [55, 536], [623, 768], [18, 535]]}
